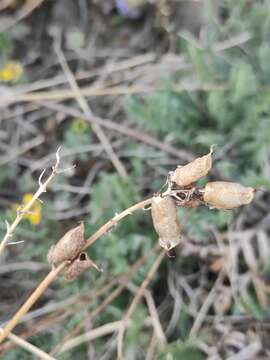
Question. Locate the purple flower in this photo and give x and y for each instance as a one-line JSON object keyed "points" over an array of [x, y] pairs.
{"points": [[126, 10]]}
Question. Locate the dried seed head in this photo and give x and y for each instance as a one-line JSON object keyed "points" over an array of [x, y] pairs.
{"points": [[227, 195], [165, 221], [68, 247], [193, 171], [79, 265]]}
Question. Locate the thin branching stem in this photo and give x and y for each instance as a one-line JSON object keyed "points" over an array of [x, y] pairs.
{"points": [[31, 300], [32, 349], [25, 209], [55, 272], [135, 302]]}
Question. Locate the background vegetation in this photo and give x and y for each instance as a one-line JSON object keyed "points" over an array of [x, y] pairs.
{"points": [[202, 79]]}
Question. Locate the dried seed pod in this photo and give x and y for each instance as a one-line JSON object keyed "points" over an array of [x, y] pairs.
{"points": [[68, 247], [78, 266], [193, 171], [165, 221], [227, 195]]}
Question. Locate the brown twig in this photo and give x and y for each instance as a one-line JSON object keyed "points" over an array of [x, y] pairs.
{"points": [[22, 13], [55, 272], [64, 94], [122, 129], [21, 212], [206, 305], [31, 300], [123, 283], [134, 303], [87, 112], [113, 222], [34, 350]]}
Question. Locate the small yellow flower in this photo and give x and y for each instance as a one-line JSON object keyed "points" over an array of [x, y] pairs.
{"points": [[35, 213], [79, 126], [12, 71], [34, 216]]}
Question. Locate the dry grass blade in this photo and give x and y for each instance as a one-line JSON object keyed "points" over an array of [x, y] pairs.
{"points": [[134, 303], [26, 10], [206, 305], [159, 333], [66, 94], [87, 111], [91, 335], [30, 301], [35, 351], [55, 272], [123, 283], [21, 212], [140, 136]]}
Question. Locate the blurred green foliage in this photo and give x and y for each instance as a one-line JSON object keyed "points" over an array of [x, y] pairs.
{"points": [[232, 111]]}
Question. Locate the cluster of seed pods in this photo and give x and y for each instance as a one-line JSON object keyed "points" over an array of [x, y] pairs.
{"points": [[70, 248], [182, 191]]}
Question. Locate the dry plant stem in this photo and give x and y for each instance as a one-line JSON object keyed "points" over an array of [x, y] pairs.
{"points": [[26, 10], [123, 283], [206, 305], [159, 333], [91, 335], [150, 355], [66, 94], [21, 212], [113, 222], [35, 351], [31, 300], [110, 68], [134, 303], [122, 129], [54, 273], [87, 112]]}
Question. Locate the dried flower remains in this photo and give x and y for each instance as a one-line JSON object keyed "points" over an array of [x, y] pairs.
{"points": [[188, 174], [68, 247], [166, 223], [182, 191], [225, 195], [80, 265]]}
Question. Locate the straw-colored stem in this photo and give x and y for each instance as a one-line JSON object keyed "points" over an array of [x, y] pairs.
{"points": [[21, 212], [113, 222], [31, 300], [54, 273], [134, 303]]}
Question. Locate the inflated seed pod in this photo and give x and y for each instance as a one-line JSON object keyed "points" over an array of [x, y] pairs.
{"points": [[80, 265], [68, 247], [193, 171], [227, 195], [165, 221]]}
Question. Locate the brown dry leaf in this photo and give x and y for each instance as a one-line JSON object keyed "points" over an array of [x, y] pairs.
{"points": [[80, 265], [223, 301], [165, 221], [68, 247], [218, 264], [227, 195], [193, 171]]}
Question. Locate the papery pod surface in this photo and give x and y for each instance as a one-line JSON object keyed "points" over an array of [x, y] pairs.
{"points": [[165, 221], [193, 171], [78, 266], [225, 195], [68, 247]]}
